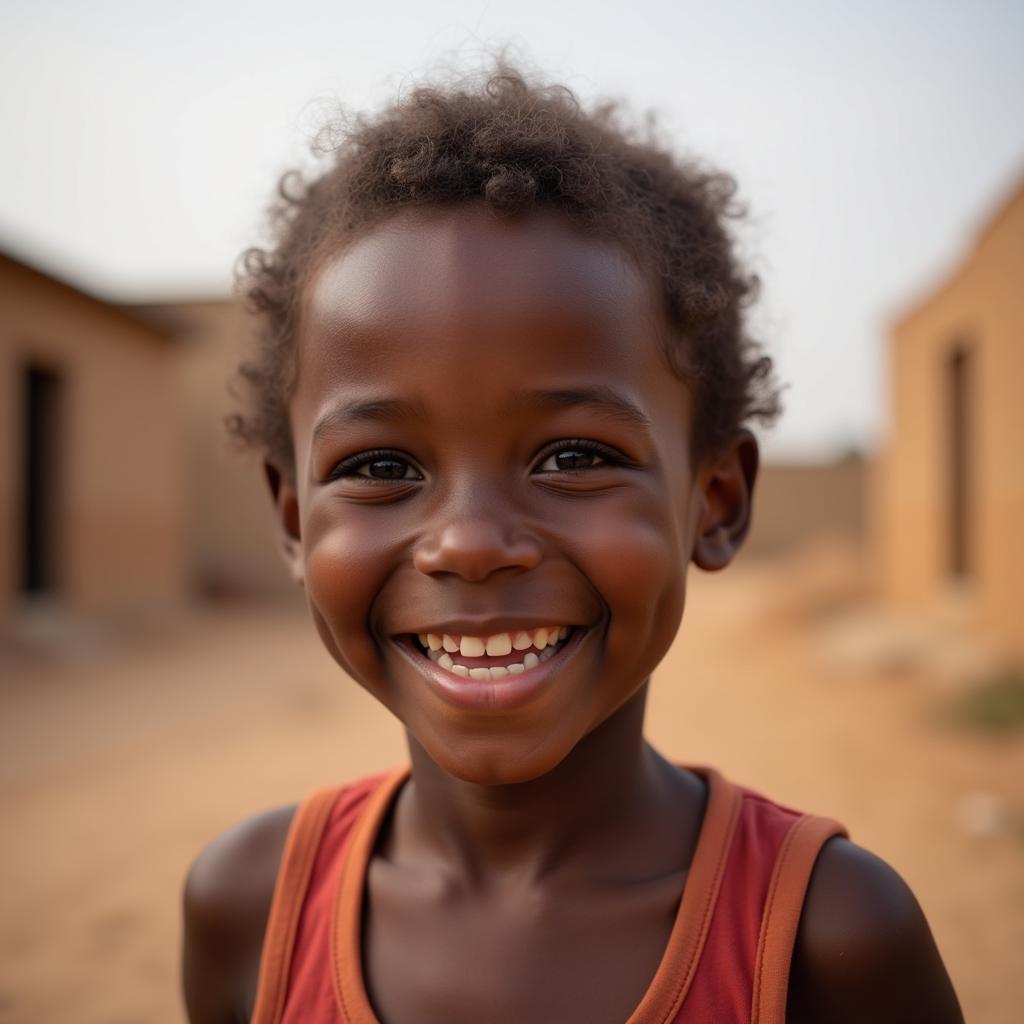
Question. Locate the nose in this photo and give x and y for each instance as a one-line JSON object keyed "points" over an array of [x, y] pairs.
{"points": [[475, 547]]}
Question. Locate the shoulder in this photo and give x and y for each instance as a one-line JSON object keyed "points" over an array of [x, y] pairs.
{"points": [[863, 948], [226, 903]]}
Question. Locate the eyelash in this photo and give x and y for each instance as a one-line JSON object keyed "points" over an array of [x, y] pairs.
{"points": [[347, 468], [581, 444]]}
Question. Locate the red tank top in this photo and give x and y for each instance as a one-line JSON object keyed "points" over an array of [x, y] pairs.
{"points": [[727, 958]]}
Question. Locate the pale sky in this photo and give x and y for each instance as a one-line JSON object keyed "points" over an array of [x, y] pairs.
{"points": [[870, 140]]}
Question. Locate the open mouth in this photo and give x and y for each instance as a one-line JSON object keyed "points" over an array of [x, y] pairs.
{"points": [[496, 656]]}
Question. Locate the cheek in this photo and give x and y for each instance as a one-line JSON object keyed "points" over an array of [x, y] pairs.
{"points": [[344, 569], [638, 565]]}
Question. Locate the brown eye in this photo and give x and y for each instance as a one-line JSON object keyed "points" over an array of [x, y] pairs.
{"points": [[575, 460], [378, 466], [384, 469], [575, 456]]}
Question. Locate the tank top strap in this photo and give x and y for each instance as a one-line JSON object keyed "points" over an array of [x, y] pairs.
{"points": [[295, 979], [679, 966], [300, 849], [347, 910], [743, 973], [786, 892]]}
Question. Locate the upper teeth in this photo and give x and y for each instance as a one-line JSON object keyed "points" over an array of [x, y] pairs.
{"points": [[497, 643]]}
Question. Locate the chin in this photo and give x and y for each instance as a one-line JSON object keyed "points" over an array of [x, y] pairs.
{"points": [[496, 761]]}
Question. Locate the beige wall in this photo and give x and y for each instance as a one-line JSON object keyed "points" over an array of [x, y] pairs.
{"points": [[797, 502], [232, 546], [120, 472], [982, 306]]}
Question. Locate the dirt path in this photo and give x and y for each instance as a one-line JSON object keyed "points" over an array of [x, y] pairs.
{"points": [[116, 771]]}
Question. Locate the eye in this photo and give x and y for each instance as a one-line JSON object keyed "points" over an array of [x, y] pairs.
{"points": [[380, 466], [573, 456]]}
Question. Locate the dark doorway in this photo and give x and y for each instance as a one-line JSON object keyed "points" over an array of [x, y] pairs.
{"points": [[959, 385], [42, 400]]}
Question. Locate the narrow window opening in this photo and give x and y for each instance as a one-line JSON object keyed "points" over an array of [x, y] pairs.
{"points": [[959, 390], [41, 462]]}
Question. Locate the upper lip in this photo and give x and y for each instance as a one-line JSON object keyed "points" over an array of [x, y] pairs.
{"points": [[490, 627]]}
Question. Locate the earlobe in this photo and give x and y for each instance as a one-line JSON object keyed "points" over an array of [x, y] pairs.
{"points": [[286, 513], [728, 488]]}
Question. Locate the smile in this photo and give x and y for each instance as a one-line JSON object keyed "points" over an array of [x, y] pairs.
{"points": [[495, 656], [493, 683]]}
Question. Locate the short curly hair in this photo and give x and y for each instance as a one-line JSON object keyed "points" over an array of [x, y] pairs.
{"points": [[515, 145]]}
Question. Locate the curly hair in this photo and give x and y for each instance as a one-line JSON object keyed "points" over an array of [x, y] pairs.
{"points": [[516, 146]]}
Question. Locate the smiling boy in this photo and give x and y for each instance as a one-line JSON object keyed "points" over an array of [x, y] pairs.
{"points": [[503, 398]]}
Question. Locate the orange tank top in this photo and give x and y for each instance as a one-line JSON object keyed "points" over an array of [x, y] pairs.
{"points": [[728, 954]]}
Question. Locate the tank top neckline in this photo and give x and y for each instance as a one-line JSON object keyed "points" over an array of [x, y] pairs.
{"points": [[678, 964]]}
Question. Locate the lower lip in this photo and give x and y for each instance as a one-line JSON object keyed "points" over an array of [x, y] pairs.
{"points": [[492, 696]]}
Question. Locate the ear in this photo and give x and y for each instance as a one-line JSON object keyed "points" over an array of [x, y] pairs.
{"points": [[727, 483], [286, 509]]}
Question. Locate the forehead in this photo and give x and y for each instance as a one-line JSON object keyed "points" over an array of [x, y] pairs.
{"points": [[462, 305]]}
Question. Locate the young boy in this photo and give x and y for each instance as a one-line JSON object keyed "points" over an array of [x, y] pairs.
{"points": [[502, 395]]}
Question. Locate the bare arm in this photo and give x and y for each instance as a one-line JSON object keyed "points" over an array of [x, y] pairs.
{"points": [[226, 903], [864, 951]]}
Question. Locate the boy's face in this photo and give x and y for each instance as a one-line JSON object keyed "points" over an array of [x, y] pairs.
{"points": [[488, 441]]}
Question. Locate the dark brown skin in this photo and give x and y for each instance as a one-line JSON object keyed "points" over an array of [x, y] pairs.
{"points": [[534, 864]]}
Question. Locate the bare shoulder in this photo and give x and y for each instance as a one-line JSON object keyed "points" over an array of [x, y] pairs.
{"points": [[863, 949], [226, 904]]}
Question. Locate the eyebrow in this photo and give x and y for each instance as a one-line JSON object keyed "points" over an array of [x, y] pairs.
{"points": [[599, 397], [374, 410]]}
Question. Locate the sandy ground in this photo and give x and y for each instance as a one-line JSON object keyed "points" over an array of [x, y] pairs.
{"points": [[118, 765]]}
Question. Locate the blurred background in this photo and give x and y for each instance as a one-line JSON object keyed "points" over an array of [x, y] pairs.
{"points": [[158, 675]]}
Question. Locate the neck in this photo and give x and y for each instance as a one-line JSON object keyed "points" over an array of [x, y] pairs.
{"points": [[596, 808]]}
